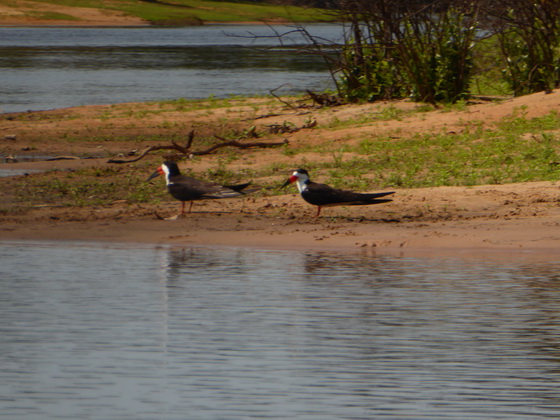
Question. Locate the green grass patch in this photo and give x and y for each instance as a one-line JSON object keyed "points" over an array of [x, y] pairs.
{"points": [[91, 186], [519, 150], [384, 113]]}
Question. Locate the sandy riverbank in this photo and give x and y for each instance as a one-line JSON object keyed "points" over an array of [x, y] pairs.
{"points": [[513, 217], [489, 223]]}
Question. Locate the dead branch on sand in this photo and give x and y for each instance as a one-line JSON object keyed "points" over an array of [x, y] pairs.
{"points": [[186, 150]]}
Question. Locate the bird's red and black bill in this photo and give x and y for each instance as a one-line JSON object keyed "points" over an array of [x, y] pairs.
{"points": [[157, 173]]}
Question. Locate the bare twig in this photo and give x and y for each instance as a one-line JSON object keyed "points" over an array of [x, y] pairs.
{"points": [[324, 99], [235, 143], [280, 99], [63, 158], [145, 152], [186, 150], [190, 138]]}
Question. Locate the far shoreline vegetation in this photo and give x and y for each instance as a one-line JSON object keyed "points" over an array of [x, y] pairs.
{"points": [[184, 12]]}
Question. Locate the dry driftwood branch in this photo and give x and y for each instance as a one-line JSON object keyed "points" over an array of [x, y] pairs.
{"points": [[235, 143], [324, 99], [145, 152], [63, 158], [280, 99], [190, 138], [186, 150]]}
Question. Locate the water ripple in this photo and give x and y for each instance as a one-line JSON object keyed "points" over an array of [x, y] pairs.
{"points": [[122, 332]]}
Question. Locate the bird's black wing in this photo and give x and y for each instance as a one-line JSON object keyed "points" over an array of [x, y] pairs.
{"points": [[238, 187], [187, 188], [324, 195]]}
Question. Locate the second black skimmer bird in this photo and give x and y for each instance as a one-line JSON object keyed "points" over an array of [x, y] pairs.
{"points": [[322, 195], [184, 188]]}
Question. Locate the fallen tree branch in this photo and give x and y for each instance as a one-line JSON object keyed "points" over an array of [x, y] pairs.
{"points": [[186, 150], [280, 99], [324, 99], [63, 158], [190, 138], [146, 151], [235, 143]]}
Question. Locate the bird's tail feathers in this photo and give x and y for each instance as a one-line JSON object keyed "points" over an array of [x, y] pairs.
{"points": [[379, 195], [378, 200], [238, 187]]}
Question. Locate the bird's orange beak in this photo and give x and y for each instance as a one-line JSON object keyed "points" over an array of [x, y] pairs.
{"points": [[157, 173], [291, 179]]}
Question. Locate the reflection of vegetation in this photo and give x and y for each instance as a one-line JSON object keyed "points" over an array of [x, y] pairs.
{"points": [[193, 12]]}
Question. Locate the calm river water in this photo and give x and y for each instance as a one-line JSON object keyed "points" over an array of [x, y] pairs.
{"points": [[92, 331], [46, 68]]}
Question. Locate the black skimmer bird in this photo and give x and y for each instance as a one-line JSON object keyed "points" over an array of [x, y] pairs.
{"points": [[322, 195], [184, 188]]}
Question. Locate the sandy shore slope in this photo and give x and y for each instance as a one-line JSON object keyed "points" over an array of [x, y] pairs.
{"points": [[30, 13], [513, 217], [516, 217]]}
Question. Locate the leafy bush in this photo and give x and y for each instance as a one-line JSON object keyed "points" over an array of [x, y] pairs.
{"points": [[426, 50], [400, 49]]}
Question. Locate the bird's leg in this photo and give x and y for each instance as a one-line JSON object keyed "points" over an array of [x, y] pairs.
{"points": [[183, 207], [318, 211], [190, 207]]}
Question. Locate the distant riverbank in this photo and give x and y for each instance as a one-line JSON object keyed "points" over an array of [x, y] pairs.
{"points": [[106, 14]]}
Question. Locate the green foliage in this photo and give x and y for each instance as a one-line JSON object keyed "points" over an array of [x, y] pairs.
{"points": [[430, 51], [369, 74], [528, 70], [488, 77], [530, 43], [425, 55]]}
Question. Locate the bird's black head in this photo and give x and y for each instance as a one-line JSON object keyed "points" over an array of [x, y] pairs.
{"points": [[167, 169], [298, 173], [172, 168]]}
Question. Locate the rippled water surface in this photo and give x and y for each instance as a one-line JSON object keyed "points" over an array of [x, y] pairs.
{"points": [[123, 332], [46, 68]]}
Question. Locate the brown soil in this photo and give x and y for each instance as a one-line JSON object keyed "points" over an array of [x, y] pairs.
{"points": [[30, 13], [479, 219]]}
